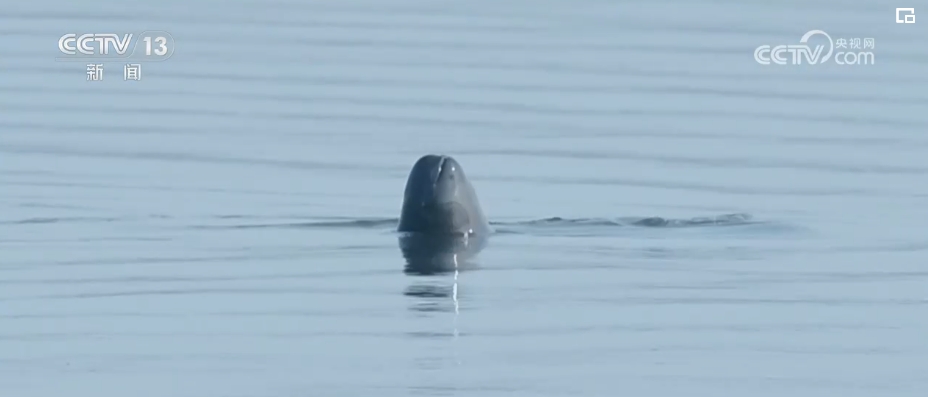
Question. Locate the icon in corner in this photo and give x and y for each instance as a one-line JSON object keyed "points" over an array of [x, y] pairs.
{"points": [[908, 13]]}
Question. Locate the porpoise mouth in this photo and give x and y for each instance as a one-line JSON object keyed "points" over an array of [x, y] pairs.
{"points": [[438, 170], [434, 180]]}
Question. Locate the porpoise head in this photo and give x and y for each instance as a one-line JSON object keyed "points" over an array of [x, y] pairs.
{"points": [[442, 225], [439, 199]]}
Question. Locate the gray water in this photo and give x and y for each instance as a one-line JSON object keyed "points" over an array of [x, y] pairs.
{"points": [[225, 226]]}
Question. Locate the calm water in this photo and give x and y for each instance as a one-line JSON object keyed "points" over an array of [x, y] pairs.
{"points": [[224, 227]]}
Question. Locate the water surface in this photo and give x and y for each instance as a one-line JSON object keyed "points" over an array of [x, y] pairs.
{"points": [[675, 219]]}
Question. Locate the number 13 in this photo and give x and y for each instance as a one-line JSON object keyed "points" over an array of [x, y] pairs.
{"points": [[162, 45]]}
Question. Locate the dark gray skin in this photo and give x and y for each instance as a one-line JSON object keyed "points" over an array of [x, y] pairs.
{"points": [[441, 222]]}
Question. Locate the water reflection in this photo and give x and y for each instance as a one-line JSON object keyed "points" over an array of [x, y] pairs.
{"points": [[430, 254], [435, 297], [431, 296], [437, 255]]}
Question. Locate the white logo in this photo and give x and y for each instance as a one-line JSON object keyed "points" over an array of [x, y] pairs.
{"points": [[909, 17], [156, 46], [795, 53], [66, 43]]}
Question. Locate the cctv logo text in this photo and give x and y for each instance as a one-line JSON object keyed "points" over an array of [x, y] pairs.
{"points": [[817, 55], [71, 44], [150, 46]]}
